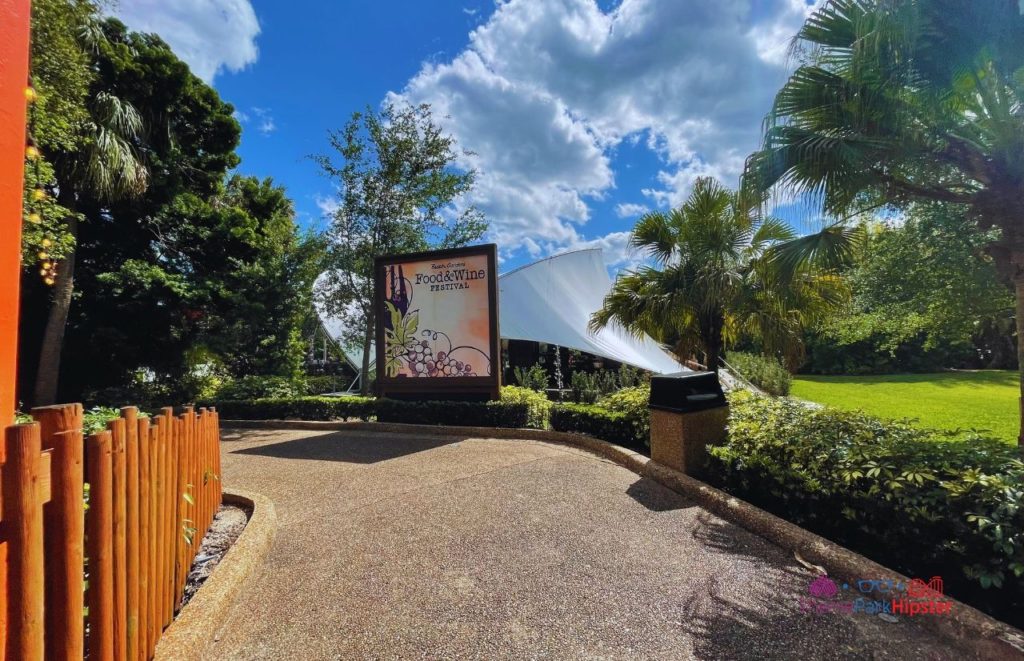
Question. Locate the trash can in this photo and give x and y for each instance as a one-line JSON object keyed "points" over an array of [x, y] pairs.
{"points": [[688, 413]]}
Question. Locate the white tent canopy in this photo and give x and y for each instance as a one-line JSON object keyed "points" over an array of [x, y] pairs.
{"points": [[550, 301]]}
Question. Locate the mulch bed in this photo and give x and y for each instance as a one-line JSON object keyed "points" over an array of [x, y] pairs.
{"points": [[227, 525]]}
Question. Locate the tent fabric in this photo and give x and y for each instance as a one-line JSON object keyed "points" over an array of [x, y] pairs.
{"points": [[550, 301], [337, 326]]}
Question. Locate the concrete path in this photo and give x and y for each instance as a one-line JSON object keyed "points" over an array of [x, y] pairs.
{"points": [[394, 546]]}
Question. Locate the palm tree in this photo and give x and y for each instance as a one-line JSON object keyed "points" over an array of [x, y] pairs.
{"points": [[720, 271], [902, 101], [110, 167]]}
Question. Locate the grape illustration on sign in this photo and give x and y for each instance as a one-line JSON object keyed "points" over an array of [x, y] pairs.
{"points": [[437, 315]]}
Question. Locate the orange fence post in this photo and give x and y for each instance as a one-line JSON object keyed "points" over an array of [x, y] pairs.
{"points": [[170, 513], [129, 414], [15, 22], [143, 554], [99, 527], [161, 522], [153, 615], [64, 517], [25, 476], [117, 434]]}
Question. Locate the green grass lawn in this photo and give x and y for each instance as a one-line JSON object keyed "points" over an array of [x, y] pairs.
{"points": [[982, 400]]}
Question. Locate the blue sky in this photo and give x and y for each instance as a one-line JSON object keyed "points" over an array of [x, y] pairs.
{"points": [[582, 114]]}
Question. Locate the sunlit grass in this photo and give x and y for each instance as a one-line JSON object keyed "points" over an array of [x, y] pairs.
{"points": [[983, 400]]}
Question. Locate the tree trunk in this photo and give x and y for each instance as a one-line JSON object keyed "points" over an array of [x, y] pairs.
{"points": [[713, 343], [368, 333], [1018, 285], [48, 373], [714, 355]]}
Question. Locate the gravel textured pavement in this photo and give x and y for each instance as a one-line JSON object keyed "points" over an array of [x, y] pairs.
{"points": [[398, 546]]}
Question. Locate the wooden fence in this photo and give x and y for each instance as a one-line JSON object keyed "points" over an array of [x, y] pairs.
{"points": [[97, 535]]}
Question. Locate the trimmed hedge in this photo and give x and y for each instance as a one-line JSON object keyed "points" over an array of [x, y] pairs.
{"points": [[912, 499], [471, 414], [466, 414], [611, 426], [296, 408], [537, 403]]}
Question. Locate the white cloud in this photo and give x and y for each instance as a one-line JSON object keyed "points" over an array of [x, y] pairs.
{"points": [[630, 210], [545, 91], [210, 35], [328, 205], [265, 121]]}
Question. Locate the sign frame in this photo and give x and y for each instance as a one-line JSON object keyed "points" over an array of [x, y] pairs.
{"points": [[465, 388]]}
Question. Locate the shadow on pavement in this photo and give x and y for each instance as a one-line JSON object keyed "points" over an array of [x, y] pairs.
{"points": [[353, 448], [656, 497]]}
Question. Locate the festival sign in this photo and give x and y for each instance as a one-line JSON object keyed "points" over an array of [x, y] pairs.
{"points": [[437, 324]]}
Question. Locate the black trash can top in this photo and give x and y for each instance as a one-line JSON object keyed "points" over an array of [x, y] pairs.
{"points": [[686, 392]]}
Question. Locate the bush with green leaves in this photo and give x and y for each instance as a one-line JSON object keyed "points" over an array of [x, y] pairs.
{"points": [[588, 387], [96, 419], [295, 408], [534, 378], [612, 426], [472, 414], [765, 372], [538, 406], [320, 384], [465, 414], [633, 402], [913, 499], [259, 387]]}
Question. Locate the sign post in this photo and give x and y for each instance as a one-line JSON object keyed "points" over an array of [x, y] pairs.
{"points": [[437, 324], [15, 23]]}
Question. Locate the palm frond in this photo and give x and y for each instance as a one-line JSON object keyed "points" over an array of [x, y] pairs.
{"points": [[831, 248], [114, 165], [653, 234]]}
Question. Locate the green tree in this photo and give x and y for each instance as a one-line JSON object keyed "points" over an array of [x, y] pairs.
{"points": [[256, 299], [399, 188], [722, 272], [925, 290], [900, 102], [131, 306], [89, 143]]}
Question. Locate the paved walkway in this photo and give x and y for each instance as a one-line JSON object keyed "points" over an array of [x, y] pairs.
{"points": [[395, 546]]}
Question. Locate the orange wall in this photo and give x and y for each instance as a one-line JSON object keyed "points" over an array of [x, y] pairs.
{"points": [[14, 35]]}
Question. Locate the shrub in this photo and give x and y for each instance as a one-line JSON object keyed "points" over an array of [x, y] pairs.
{"points": [[912, 499], [630, 377], [534, 378], [588, 387], [318, 385], [295, 408], [633, 402], [468, 414], [473, 414], [538, 406], [96, 419], [765, 372], [259, 387], [598, 422]]}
